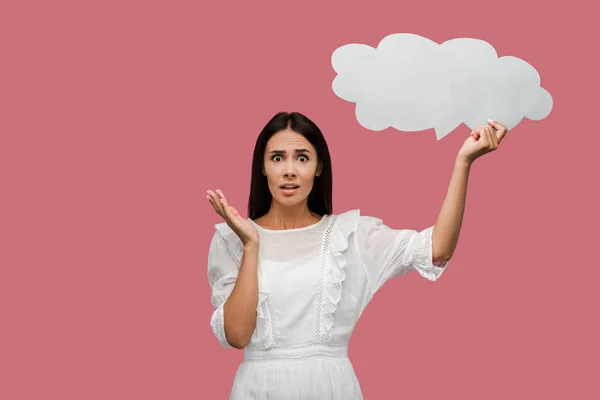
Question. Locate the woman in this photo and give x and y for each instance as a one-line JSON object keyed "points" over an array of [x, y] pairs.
{"points": [[290, 282]]}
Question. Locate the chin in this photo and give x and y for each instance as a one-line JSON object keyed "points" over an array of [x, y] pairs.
{"points": [[291, 200], [288, 201]]}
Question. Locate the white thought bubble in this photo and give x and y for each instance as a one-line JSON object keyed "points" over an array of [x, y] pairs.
{"points": [[411, 83]]}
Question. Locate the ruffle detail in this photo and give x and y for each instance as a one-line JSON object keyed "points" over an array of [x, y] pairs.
{"points": [[264, 331], [337, 238]]}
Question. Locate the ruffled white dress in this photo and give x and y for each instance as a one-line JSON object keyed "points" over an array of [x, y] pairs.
{"points": [[314, 283]]}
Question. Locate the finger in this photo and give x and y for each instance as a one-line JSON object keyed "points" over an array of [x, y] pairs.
{"points": [[496, 138], [231, 211], [216, 206], [212, 202], [226, 207], [215, 198], [482, 131], [222, 200], [500, 134], [496, 125], [500, 129], [493, 138], [220, 195], [217, 203], [486, 136]]}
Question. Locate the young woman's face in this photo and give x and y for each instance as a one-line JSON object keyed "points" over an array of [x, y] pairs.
{"points": [[290, 159]]}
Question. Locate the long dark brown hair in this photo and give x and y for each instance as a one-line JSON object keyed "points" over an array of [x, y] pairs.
{"points": [[320, 197]]}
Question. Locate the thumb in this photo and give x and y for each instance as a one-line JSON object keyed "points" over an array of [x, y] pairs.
{"points": [[500, 129], [495, 124], [234, 211]]}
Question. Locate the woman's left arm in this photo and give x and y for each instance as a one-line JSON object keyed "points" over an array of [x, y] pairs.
{"points": [[483, 139]]}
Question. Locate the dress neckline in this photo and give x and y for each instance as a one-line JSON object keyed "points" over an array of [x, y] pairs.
{"points": [[304, 228]]}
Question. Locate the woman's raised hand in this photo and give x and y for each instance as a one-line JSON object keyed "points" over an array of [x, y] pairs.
{"points": [[240, 225]]}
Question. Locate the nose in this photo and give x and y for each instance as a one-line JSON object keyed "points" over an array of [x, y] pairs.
{"points": [[289, 170]]}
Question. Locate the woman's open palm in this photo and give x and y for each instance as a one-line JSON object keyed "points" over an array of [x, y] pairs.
{"points": [[240, 225]]}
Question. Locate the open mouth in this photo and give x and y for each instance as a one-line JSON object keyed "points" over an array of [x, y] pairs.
{"points": [[289, 189]]}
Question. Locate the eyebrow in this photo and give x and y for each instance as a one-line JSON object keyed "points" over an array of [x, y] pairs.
{"points": [[283, 151]]}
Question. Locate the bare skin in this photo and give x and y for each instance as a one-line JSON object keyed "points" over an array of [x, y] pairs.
{"points": [[289, 159], [239, 311]]}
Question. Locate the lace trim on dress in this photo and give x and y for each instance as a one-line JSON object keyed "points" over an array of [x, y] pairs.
{"points": [[264, 321], [422, 261], [216, 323]]}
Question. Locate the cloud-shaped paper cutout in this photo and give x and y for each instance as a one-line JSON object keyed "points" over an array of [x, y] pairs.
{"points": [[412, 83]]}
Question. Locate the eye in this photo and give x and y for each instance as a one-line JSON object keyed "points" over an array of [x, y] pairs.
{"points": [[275, 158]]}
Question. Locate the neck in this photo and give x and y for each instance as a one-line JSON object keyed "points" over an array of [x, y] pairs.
{"points": [[290, 217]]}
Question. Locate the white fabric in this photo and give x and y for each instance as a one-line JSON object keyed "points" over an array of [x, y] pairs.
{"points": [[314, 283]]}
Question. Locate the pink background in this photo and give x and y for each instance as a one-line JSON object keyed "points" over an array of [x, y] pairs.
{"points": [[115, 118]]}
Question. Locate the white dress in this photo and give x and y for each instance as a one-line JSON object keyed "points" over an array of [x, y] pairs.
{"points": [[314, 283]]}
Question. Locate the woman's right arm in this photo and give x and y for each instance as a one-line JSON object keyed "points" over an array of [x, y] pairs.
{"points": [[239, 311], [237, 315]]}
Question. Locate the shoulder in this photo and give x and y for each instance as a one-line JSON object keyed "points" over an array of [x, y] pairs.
{"points": [[223, 230], [352, 221], [225, 237], [351, 226]]}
